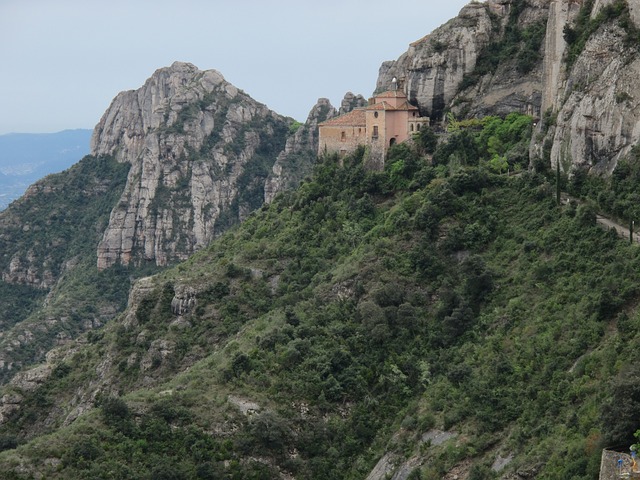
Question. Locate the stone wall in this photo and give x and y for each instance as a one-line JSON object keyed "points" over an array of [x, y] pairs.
{"points": [[342, 139]]}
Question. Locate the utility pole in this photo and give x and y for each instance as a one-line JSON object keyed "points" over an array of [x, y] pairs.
{"points": [[558, 181]]}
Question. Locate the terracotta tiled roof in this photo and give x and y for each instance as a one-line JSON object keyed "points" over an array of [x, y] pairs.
{"points": [[407, 106], [386, 106], [355, 118], [380, 106], [391, 94]]}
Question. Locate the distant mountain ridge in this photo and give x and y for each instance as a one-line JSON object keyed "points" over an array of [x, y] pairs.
{"points": [[27, 157]]}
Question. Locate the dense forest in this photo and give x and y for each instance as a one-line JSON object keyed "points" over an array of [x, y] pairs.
{"points": [[352, 318]]}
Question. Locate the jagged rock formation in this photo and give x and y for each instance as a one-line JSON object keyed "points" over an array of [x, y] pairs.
{"points": [[450, 69], [298, 157], [595, 99], [349, 102], [196, 145], [199, 150], [173, 164], [434, 66], [511, 55]]}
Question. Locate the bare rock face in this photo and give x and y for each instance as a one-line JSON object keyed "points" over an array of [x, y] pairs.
{"points": [[299, 155], [595, 100], [433, 68], [199, 150], [351, 101], [449, 70], [297, 159], [184, 300]]}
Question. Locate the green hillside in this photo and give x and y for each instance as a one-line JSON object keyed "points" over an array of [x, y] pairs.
{"points": [[348, 320], [47, 246]]}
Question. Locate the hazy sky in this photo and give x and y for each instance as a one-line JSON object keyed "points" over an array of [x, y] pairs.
{"points": [[63, 61]]}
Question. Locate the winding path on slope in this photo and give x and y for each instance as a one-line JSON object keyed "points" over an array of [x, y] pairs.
{"points": [[605, 222]]}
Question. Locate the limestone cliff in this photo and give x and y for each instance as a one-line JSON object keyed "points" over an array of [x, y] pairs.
{"points": [[297, 159], [199, 149], [434, 66], [476, 63], [512, 55], [594, 99], [349, 102]]}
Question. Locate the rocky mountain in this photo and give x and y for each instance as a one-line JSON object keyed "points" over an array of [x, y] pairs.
{"points": [[594, 121], [298, 157], [48, 269], [27, 157], [200, 151], [172, 165], [421, 322], [570, 64], [437, 319]]}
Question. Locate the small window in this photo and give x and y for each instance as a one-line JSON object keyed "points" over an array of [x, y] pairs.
{"points": [[375, 131], [414, 114], [375, 114], [343, 137], [412, 127], [418, 127]]}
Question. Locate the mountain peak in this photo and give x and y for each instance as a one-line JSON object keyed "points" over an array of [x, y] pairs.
{"points": [[179, 132]]}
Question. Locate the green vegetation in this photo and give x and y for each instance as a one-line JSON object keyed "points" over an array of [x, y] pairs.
{"points": [[516, 46], [18, 301], [356, 314], [585, 26], [52, 233], [272, 134], [492, 142], [617, 196], [45, 223], [295, 126]]}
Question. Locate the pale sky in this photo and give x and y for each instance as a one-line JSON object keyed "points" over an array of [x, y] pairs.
{"points": [[63, 61]]}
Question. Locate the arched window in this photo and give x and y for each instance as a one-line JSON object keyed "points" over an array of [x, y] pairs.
{"points": [[343, 137], [412, 127], [392, 142]]}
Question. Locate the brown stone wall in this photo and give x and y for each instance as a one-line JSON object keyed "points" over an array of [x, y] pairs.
{"points": [[341, 139], [377, 147]]}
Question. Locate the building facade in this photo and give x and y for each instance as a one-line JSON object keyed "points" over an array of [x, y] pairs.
{"points": [[388, 119]]}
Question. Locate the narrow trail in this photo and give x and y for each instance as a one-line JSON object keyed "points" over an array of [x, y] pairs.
{"points": [[606, 223], [621, 230]]}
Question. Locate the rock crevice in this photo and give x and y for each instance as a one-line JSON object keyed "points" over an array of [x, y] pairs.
{"points": [[198, 147]]}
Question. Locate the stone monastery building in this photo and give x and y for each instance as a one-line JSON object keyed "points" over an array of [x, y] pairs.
{"points": [[388, 119]]}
